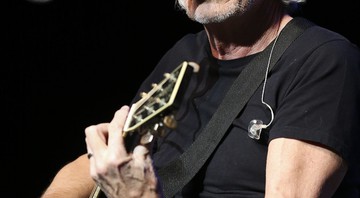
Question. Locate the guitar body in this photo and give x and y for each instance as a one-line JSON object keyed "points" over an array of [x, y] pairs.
{"points": [[153, 113]]}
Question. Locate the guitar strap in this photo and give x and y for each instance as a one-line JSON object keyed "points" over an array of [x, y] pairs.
{"points": [[179, 172]]}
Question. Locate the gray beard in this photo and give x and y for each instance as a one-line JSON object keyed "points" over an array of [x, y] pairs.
{"points": [[238, 10]]}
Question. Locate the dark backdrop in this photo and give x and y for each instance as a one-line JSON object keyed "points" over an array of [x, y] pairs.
{"points": [[74, 63]]}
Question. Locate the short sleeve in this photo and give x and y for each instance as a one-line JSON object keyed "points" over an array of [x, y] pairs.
{"points": [[321, 103]]}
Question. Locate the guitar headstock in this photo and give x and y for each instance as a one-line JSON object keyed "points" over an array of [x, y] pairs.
{"points": [[148, 115], [152, 111]]}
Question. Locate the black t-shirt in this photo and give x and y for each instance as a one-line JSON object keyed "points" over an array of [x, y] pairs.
{"points": [[314, 91]]}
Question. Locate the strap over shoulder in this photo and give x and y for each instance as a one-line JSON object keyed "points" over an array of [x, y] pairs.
{"points": [[180, 171]]}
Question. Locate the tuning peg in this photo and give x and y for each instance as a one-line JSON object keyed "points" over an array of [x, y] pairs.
{"points": [[148, 134], [149, 109], [138, 118], [170, 76], [160, 101], [143, 94], [170, 122], [146, 138]]}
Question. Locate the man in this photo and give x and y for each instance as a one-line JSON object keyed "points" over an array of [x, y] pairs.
{"points": [[311, 105]]}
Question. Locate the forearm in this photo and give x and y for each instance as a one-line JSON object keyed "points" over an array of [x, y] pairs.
{"points": [[72, 181], [300, 169]]}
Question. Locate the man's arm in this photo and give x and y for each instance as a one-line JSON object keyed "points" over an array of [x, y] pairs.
{"points": [[302, 169], [72, 181]]}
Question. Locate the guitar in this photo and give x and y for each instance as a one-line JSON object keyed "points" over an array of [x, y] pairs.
{"points": [[153, 113]]}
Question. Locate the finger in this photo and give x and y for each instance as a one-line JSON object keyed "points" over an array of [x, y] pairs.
{"points": [[96, 145], [142, 161], [91, 160], [116, 141], [89, 150], [95, 139], [140, 154]]}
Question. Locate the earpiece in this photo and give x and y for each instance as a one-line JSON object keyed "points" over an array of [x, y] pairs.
{"points": [[255, 126], [254, 129]]}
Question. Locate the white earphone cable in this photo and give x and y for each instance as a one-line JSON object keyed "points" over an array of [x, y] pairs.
{"points": [[265, 80]]}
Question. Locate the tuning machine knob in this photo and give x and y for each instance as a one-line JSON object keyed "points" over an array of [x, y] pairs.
{"points": [[147, 135], [170, 121]]}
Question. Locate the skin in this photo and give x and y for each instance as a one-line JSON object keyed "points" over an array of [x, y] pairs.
{"points": [[294, 168], [73, 180], [302, 169], [119, 173]]}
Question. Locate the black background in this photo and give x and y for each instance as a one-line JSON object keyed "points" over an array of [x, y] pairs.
{"points": [[70, 64]]}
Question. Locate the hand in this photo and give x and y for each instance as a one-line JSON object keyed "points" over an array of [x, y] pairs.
{"points": [[116, 172]]}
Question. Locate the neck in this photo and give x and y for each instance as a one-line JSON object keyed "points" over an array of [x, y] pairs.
{"points": [[246, 34]]}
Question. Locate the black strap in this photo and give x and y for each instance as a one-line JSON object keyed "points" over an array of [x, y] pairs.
{"points": [[180, 171]]}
